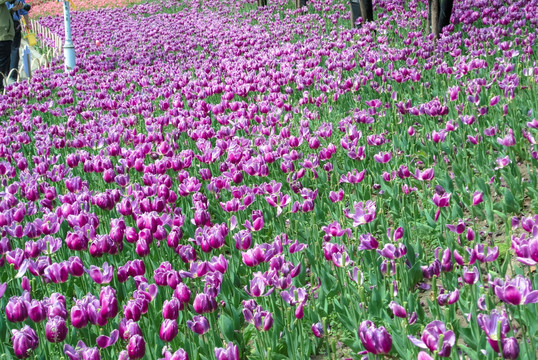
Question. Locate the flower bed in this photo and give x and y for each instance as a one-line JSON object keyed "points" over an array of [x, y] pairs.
{"points": [[215, 180]]}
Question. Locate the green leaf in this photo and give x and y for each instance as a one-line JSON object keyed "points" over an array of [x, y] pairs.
{"points": [[511, 205], [226, 326], [354, 344], [415, 274]]}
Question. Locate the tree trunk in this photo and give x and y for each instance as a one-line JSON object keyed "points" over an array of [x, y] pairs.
{"points": [[355, 9], [435, 18], [446, 13], [363, 10], [429, 28], [369, 10], [262, 3]]}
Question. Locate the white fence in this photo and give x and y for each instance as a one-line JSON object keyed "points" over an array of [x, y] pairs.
{"points": [[50, 46]]}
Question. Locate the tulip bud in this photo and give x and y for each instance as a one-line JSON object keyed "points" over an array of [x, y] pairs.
{"points": [[198, 324], [36, 311], [136, 347], [56, 329], [168, 330], [510, 348], [24, 341], [16, 310], [79, 317], [171, 309], [397, 310]]}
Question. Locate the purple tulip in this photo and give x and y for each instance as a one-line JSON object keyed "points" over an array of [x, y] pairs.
{"points": [[383, 157], [76, 268], [16, 310], [198, 324], [179, 354], [136, 347], [25, 341], [510, 348], [36, 310], [101, 275], [204, 303], [494, 325], [368, 242], [81, 352], [3, 287], [79, 317], [448, 298], [317, 329], [375, 340], [434, 335], [364, 213], [104, 341], [424, 356], [397, 309], [168, 330], [108, 302], [182, 293], [56, 329], [257, 286], [483, 254], [477, 198], [171, 308], [470, 277], [128, 328], [517, 291], [231, 352]]}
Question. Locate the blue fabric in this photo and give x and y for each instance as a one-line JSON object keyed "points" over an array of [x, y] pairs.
{"points": [[17, 14]]}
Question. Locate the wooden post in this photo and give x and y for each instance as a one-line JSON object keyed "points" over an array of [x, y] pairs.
{"points": [[435, 18]]}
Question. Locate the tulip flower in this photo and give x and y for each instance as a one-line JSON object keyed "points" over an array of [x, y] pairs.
{"points": [[375, 340], [168, 330], [104, 341], [198, 324], [204, 303], [56, 329], [128, 328], [510, 348], [435, 335], [179, 354], [517, 291], [36, 310], [25, 341], [397, 309], [101, 275], [477, 198], [317, 329], [136, 348], [81, 352], [16, 310], [494, 325], [231, 352], [3, 287], [470, 277], [364, 213]]}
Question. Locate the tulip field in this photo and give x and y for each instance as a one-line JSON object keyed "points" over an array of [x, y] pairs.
{"points": [[218, 180]]}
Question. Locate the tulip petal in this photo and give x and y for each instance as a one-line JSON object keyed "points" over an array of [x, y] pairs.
{"points": [[2, 289], [417, 342], [532, 297], [424, 356]]}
